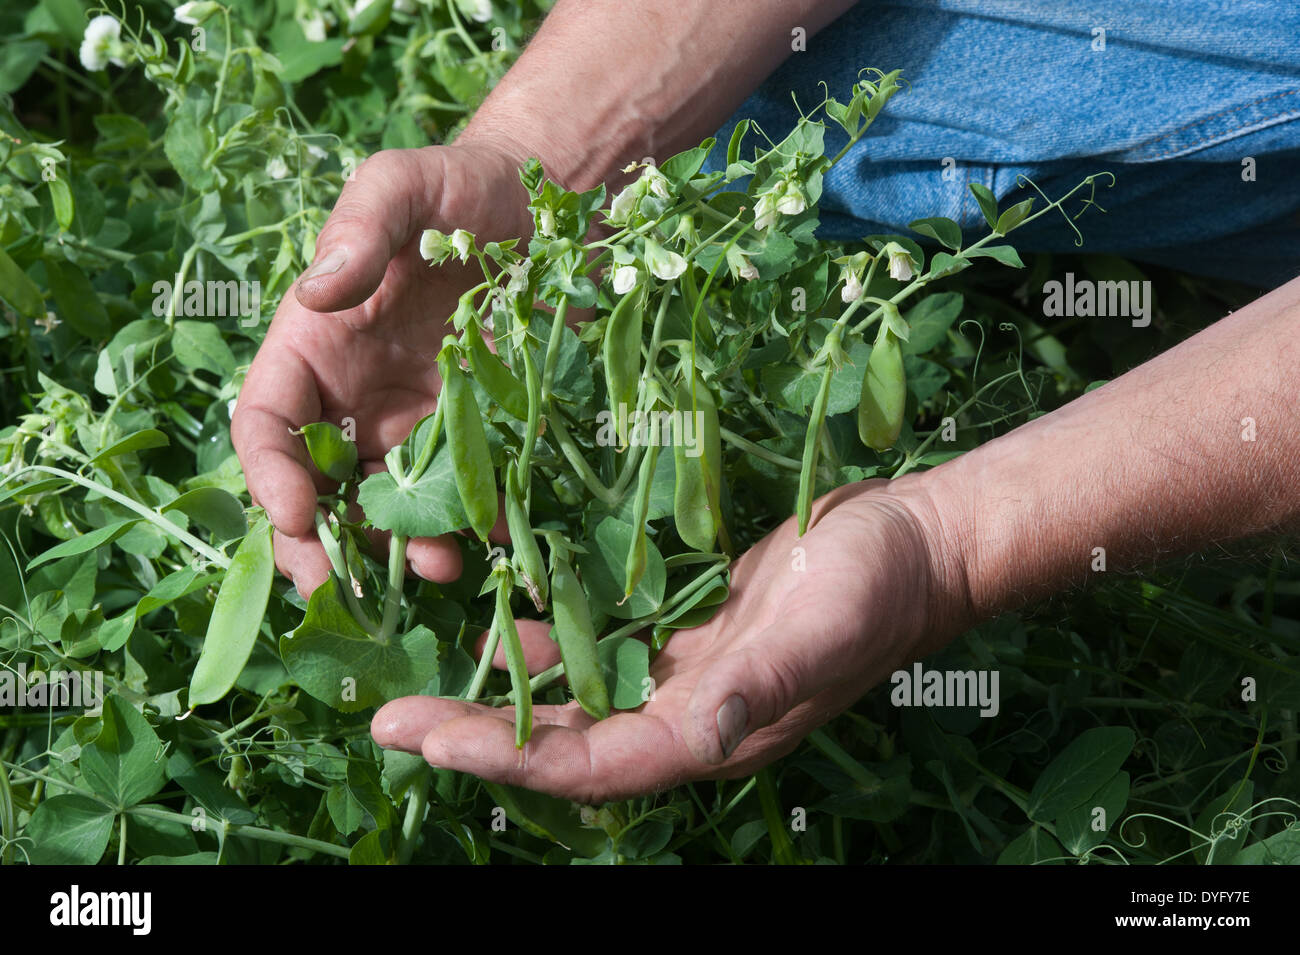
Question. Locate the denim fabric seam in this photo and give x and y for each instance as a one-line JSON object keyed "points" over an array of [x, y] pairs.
{"points": [[1255, 123]]}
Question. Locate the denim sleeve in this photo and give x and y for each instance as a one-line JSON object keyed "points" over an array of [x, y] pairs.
{"points": [[1193, 105]]}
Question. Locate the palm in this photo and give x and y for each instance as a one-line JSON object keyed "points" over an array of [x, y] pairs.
{"points": [[852, 614]]}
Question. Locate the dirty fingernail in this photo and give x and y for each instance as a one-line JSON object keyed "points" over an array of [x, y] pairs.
{"points": [[330, 264], [733, 715]]}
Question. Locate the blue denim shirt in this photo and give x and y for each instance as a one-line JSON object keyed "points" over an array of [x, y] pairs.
{"points": [[1194, 105]]}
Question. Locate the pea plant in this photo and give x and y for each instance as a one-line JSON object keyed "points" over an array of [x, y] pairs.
{"points": [[728, 368]]}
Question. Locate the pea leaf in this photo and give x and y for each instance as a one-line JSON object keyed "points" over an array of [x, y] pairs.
{"points": [[200, 345], [1079, 771], [988, 203], [69, 829], [1215, 821], [18, 290], [602, 570], [625, 662], [331, 657], [88, 541], [946, 231], [1033, 846], [929, 321], [211, 507], [76, 299], [426, 508], [1074, 827], [1002, 253], [556, 820], [140, 441], [125, 763], [1013, 217]]}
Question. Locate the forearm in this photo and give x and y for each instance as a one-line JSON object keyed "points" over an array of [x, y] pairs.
{"points": [[606, 82], [1158, 462]]}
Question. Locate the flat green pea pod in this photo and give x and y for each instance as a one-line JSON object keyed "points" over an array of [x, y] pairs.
{"points": [[574, 632], [236, 617], [494, 375], [636, 555], [697, 511], [332, 453], [621, 354], [527, 555], [475, 477], [811, 446], [515, 663], [884, 393]]}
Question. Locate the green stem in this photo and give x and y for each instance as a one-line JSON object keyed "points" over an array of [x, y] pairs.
{"points": [[225, 68], [553, 351], [485, 663], [396, 577], [573, 454], [249, 832], [340, 568], [758, 451], [416, 803], [121, 840]]}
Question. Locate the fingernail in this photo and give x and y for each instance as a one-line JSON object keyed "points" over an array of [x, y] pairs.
{"points": [[327, 266], [732, 717]]}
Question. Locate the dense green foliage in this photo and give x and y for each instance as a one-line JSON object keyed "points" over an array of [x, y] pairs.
{"points": [[124, 512]]}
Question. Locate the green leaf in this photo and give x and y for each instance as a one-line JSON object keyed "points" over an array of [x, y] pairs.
{"points": [[556, 820], [211, 507], [1075, 827], [603, 573], [988, 203], [427, 508], [87, 541], [18, 290], [625, 661], [140, 441], [1003, 253], [737, 137], [236, 617], [1079, 771], [332, 453], [18, 61], [371, 18], [200, 345], [1219, 822], [1282, 848], [76, 299], [331, 657], [944, 230], [929, 321], [69, 829], [1013, 217], [944, 264], [125, 764], [1032, 847]]}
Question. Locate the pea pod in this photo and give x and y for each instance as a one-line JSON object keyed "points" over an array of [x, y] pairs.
{"points": [[636, 555], [574, 632], [236, 617], [811, 446], [527, 555], [332, 453], [475, 477], [515, 663], [697, 511], [621, 353], [884, 393], [494, 375]]}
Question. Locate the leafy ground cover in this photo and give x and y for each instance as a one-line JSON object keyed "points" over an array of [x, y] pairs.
{"points": [[215, 156]]}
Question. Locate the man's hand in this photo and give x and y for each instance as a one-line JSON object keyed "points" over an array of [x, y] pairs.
{"points": [[802, 636], [359, 335]]}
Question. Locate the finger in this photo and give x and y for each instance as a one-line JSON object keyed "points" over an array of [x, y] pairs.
{"points": [[404, 723], [278, 396], [436, 559], [382, 205], [628, 754], [302, 560], [540, 651], [754, 687]]}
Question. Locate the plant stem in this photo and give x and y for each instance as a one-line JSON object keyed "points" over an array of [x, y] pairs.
{"points": [[485, 663], [573, 455], [339, 566], [396, 577], [121, 840], [758, 451], [417, 801], [250, 832]]}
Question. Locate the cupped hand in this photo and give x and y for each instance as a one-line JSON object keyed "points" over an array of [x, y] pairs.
{"points": [[358, 338], [811, 624]]}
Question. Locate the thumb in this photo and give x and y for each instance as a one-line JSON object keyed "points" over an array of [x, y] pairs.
{"points": [[382, 205], [749, 689]]}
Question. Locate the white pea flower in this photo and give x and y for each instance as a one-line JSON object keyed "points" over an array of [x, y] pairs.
{"points": [[901, 265], [518, 276], [313, 27], [194, 12], [277, 168], [656, 181], [852, 290], [620, 210], [546, 223], [403, 6], [462, 242], [101, 44], [315, 152], [433, 246], [662, 263], [792, 200], [353, 12], [625, 279], [765, 211], [479, 10]]}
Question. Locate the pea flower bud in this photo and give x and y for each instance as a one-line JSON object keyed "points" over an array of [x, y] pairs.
{"points": [[740, 266], [662, 263], [462, 242], [852, 290], [546, 223], [901, 265], [277, 168], [195, 12], [434, 247], [625, 279]]}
